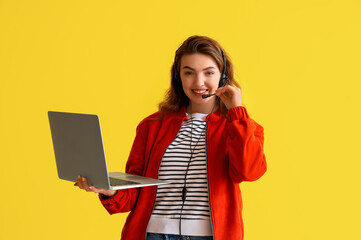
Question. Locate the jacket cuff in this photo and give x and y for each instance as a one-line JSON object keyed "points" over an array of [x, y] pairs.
{"points": [[109, 200], [237, 113]]}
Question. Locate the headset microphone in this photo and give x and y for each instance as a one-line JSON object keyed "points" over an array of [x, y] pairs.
{"points": [[224, 77], [208, 95]]}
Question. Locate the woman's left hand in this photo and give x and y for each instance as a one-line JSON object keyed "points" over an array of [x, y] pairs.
{"points": [[230, 96]]}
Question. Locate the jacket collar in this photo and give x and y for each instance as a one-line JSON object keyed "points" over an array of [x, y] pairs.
{"points": [[211, 117], [182, 115], [215, 116]]}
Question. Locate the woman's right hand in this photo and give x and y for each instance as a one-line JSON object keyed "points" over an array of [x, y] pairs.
{"points": [[82, 183]]}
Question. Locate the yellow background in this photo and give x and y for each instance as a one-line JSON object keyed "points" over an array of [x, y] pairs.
{"points": [[298, 63]]}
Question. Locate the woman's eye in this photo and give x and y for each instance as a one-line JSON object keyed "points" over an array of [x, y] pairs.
{"points": [[187, 73], [210, 73]]}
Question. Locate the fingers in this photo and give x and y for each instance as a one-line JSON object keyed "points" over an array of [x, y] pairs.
{"points": [[85, 184], [230, 96], [78, 182], [82, 183], [227, 91], [94, 189]]}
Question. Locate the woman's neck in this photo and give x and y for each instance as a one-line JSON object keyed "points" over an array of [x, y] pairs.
{"points": [[206, 109]]}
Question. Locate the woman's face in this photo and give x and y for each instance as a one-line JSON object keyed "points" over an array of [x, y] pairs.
{"points": [[200, 75]]}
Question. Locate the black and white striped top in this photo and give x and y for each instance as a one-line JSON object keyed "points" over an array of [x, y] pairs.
{"points": [[168, 210]]}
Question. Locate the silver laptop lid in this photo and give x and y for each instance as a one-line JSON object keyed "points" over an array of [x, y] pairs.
{"points": [[78, 147]]}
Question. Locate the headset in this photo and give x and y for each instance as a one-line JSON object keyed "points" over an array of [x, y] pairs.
{"points": [[222, 81], [224, 76]]}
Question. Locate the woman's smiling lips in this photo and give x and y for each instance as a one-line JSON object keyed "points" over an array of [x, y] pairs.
{"points": [[199, 92]]}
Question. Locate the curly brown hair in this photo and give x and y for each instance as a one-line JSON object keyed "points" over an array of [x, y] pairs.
{"points": [[175, 98]]}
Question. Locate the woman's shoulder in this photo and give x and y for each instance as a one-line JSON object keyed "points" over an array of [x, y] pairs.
{"points": [[158, 117], [152, 118]]}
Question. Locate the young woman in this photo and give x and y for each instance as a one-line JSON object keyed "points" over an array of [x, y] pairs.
{"points": [[205, 146]]}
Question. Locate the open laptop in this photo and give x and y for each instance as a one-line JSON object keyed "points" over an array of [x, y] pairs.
{"points": [[78, 148]]}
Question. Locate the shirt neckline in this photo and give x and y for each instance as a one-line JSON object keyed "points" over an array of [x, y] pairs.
{"points": [[199, 116]]}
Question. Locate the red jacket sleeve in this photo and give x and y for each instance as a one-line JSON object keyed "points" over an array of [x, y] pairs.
{"points": [[247, 161], [125, 199]]}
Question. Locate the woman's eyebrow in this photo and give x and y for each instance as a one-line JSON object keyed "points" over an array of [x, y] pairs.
{"points": [[210, 67]]}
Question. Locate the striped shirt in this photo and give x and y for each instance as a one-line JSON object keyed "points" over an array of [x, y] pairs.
{"points": [[187, 151]]}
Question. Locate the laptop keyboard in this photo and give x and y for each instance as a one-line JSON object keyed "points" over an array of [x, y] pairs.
{"points": [[119, 182]]}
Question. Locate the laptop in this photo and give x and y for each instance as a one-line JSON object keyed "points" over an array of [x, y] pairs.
{"points": [[78, 148]]}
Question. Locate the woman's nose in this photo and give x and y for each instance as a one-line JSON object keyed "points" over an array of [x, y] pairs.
{"points": [[199, 79]]}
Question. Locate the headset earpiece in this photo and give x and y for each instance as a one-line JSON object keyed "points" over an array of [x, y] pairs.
{"points": [[224, 76], [223, 80]]}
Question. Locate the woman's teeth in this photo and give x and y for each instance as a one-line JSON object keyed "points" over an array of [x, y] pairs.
{"points": [[201, 91]]}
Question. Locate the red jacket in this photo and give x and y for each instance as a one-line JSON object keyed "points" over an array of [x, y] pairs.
{"points": [[234, 154]]}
